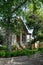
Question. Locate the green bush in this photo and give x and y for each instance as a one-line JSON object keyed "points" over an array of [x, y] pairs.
{"points": [[16, 53], [7, 54], [25, 52], [29, 52], [22, 53], [2, 54], [40, 49]]}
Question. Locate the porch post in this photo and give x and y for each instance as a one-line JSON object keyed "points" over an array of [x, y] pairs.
{"points": [[29, 37], [30, 41]]}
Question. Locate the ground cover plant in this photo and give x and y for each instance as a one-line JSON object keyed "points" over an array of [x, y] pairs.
{"points": [[24, 52]]}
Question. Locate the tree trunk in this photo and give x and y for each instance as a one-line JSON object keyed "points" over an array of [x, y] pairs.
{"points": [[8, 35]]}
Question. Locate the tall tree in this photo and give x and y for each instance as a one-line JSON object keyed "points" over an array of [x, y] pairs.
{"points": [[35, 20], [8, 9]]}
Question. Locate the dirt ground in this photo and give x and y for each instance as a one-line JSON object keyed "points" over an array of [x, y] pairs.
{"points": [[36, 59]]}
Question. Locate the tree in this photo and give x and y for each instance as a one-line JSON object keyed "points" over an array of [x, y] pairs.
{"points": [[35, 21], [8, 10]]}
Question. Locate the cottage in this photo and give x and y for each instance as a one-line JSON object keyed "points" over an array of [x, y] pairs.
{"points": [[21, 39]]}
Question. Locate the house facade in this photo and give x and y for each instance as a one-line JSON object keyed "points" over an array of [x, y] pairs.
{"points": [[21, 38]]}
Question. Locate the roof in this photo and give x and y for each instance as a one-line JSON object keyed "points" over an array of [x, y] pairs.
{"points": [[26, 27]]}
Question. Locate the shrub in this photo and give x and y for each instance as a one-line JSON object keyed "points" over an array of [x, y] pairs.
{"points": [[7, 54], [40, 49], [25, 52], [2, 54], [29, 52], [15, 53]]}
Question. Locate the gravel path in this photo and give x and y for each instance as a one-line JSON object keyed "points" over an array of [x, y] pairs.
{"points": [[36, 59]]}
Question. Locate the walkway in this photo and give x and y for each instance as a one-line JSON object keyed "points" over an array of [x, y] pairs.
{"points": [[36, 59]]}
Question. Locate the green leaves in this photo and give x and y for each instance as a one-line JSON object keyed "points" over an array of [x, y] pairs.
{"points": [[10, 7]]}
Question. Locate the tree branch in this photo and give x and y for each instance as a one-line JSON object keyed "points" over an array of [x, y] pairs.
{"points": [[21, 4]]}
